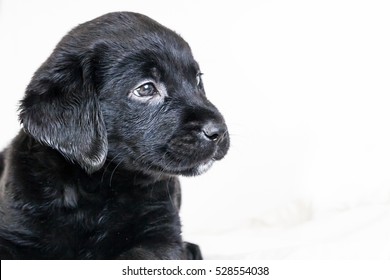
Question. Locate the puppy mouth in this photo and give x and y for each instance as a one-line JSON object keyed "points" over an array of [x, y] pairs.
{"points": [[183, 156], [193, 161]]}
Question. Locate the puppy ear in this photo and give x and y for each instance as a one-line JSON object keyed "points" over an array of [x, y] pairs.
{"points": [[61, 109]]}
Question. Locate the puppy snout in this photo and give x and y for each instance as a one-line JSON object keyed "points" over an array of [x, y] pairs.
{"points": [[214, 131]]}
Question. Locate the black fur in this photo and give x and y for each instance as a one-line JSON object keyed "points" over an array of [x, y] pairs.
{"points": [[93, 174]]}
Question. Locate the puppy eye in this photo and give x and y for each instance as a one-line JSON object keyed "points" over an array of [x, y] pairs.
{"points": [[199, 79], [145, 90]]}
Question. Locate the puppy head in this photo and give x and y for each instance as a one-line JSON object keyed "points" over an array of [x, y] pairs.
{"points": [[126, 88]]}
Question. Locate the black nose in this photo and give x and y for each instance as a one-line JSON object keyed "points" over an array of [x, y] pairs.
{"points": [[214, 131]]}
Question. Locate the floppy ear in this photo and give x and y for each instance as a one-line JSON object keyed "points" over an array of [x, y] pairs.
{"points": [[61, 109]]}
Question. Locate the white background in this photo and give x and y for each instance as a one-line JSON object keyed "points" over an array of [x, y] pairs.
{"points": [[305, 89]]}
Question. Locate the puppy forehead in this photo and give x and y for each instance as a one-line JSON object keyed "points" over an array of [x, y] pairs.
{"points": [[147, 41], [165, 51]]}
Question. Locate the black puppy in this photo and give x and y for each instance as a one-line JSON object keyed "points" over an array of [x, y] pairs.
{"points": [[110, 119]]}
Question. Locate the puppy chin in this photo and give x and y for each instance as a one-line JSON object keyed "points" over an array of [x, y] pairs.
{"points": [[198, 170], [204, 167]]}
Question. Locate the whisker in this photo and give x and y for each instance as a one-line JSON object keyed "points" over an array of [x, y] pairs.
{"points": [[105, 169], [113, 171], [170, 197]]}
